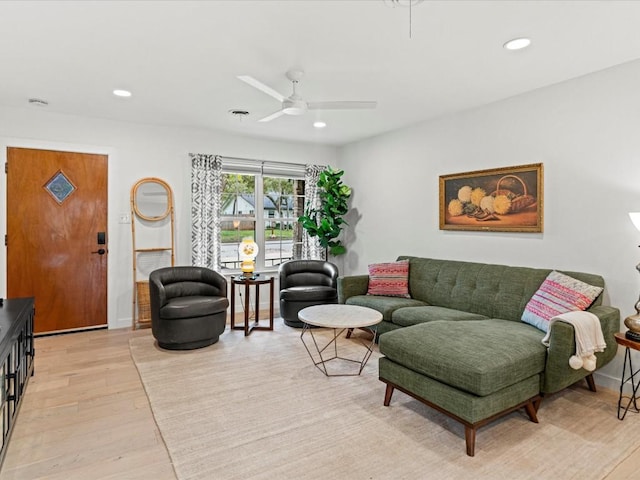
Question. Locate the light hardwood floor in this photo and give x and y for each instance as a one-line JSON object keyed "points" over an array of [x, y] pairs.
{"points": [[86, 416]]}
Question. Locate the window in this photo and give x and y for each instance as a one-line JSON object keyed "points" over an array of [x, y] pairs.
{"points": [[263, 202]]}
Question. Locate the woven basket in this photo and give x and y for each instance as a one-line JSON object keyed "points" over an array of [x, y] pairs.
{"points": [[518, 202], [144, 303]]}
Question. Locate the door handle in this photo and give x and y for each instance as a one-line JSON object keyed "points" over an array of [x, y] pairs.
{"points": [[100, 251]]}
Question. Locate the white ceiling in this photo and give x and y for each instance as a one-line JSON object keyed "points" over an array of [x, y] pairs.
{"points": [[180, 59]]}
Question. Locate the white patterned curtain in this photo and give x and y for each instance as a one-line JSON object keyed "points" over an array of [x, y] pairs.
{"points": [[206, 205], [311, 249]]}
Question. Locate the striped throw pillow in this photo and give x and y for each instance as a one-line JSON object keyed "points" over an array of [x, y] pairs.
{"points": [[558, 294], [389, 279]]}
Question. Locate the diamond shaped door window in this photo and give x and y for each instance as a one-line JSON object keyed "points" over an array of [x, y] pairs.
{"points": [[60, 187]]}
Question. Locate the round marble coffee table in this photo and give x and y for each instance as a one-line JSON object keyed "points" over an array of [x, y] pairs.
{"points": [[338, 317]]}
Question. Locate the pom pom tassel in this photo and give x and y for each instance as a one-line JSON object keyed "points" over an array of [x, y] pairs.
{"points": [[588, 363], [575, 362]]}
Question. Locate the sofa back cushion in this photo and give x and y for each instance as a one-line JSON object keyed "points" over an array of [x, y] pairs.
{"points": [[495, 291]]}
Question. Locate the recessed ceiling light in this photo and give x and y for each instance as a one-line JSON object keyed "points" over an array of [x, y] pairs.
{"points": [[122, 93], [319, 124], [517, 43]]}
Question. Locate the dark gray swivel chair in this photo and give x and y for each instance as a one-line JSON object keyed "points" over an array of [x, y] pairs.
{"points": [[304, 283], [188, 307]]}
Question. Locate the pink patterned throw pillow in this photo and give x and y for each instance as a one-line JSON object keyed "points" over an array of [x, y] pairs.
{"points": [[389, 279], [558, 294]]}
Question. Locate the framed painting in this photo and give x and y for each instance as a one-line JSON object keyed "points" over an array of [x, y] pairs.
{"points": [[508, 199]]}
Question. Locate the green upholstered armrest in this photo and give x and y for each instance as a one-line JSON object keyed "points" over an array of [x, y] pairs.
{"points": [[351, 286], [562, 345]]}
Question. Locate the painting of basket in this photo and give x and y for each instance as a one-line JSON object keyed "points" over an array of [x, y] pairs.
{"points": [[516, 202], [500, 200]]}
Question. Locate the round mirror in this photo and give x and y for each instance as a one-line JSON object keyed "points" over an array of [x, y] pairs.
{"points": [[151, 199]]}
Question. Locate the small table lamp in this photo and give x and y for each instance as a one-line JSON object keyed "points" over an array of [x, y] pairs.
{"points": [[248, 251], [633, 322]]}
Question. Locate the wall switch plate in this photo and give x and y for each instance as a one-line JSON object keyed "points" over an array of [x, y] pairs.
{"points": [[124, 218]]}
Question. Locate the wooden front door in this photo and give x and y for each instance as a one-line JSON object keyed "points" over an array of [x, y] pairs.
{"points": [[56, 236]]}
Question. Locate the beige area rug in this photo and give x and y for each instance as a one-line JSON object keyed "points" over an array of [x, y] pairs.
{"points": [[256, 408]]}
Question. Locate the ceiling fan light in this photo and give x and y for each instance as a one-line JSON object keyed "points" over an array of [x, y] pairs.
{"points": [[294, 110], [294, 106]]}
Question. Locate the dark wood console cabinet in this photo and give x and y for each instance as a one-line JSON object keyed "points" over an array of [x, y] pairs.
{"points": [[16, 361]]}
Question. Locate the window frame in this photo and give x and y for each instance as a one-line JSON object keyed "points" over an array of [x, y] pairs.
{"points": [[259, 170]]}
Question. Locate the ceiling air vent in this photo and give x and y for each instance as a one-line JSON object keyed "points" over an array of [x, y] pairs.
{"points": [[38, 102]]}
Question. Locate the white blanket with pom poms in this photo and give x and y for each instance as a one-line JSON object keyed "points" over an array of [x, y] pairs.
{"points": [[589, 338]]}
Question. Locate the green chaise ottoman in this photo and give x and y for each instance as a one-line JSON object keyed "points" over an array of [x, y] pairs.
{"points": [[473, 371]]}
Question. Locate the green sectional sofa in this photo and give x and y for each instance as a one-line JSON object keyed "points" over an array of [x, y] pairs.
{"points": [[459, 345]]}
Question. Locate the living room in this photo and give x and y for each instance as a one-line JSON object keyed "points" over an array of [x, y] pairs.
{"points": [[582, 127]]}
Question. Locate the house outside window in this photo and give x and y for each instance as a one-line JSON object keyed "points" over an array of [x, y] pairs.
{"points": [[264, 206]]}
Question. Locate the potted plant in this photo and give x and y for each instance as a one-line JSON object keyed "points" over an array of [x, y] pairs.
{"points": [[327, 221]]}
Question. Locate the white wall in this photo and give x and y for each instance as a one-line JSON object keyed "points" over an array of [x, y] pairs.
{"points": [[585, 131], [136, 151]]}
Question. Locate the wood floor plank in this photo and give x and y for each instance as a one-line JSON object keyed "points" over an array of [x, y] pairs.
{"points": [[628, 469]]}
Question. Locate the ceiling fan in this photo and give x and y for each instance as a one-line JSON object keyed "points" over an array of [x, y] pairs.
{"points": [[294, 104]]}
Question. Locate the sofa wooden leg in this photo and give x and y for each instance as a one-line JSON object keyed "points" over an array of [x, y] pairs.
{"points": [[531, 407], [531, 411], [470, 438], [591, 382], [387, 395]]}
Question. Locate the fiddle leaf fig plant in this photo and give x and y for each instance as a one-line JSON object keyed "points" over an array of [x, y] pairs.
{"points": [[326, 222]]}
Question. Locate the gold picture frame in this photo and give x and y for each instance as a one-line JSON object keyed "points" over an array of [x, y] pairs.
{"points": [[508, 199]]}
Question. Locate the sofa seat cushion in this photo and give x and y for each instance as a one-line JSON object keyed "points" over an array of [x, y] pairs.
{"points": [[193, 306], [477, 356], [385, 305], [311, 293], [408, 316]]}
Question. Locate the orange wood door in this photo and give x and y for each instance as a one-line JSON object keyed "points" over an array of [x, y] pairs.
{"points": [[56, 205]]}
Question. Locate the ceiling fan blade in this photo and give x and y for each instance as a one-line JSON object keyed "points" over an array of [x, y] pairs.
{"points": [[273, 116], [261, 86], [344, 105]]}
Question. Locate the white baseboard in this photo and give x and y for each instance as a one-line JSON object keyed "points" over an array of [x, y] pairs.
{"points": [[120, 323], [606, 381]]}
